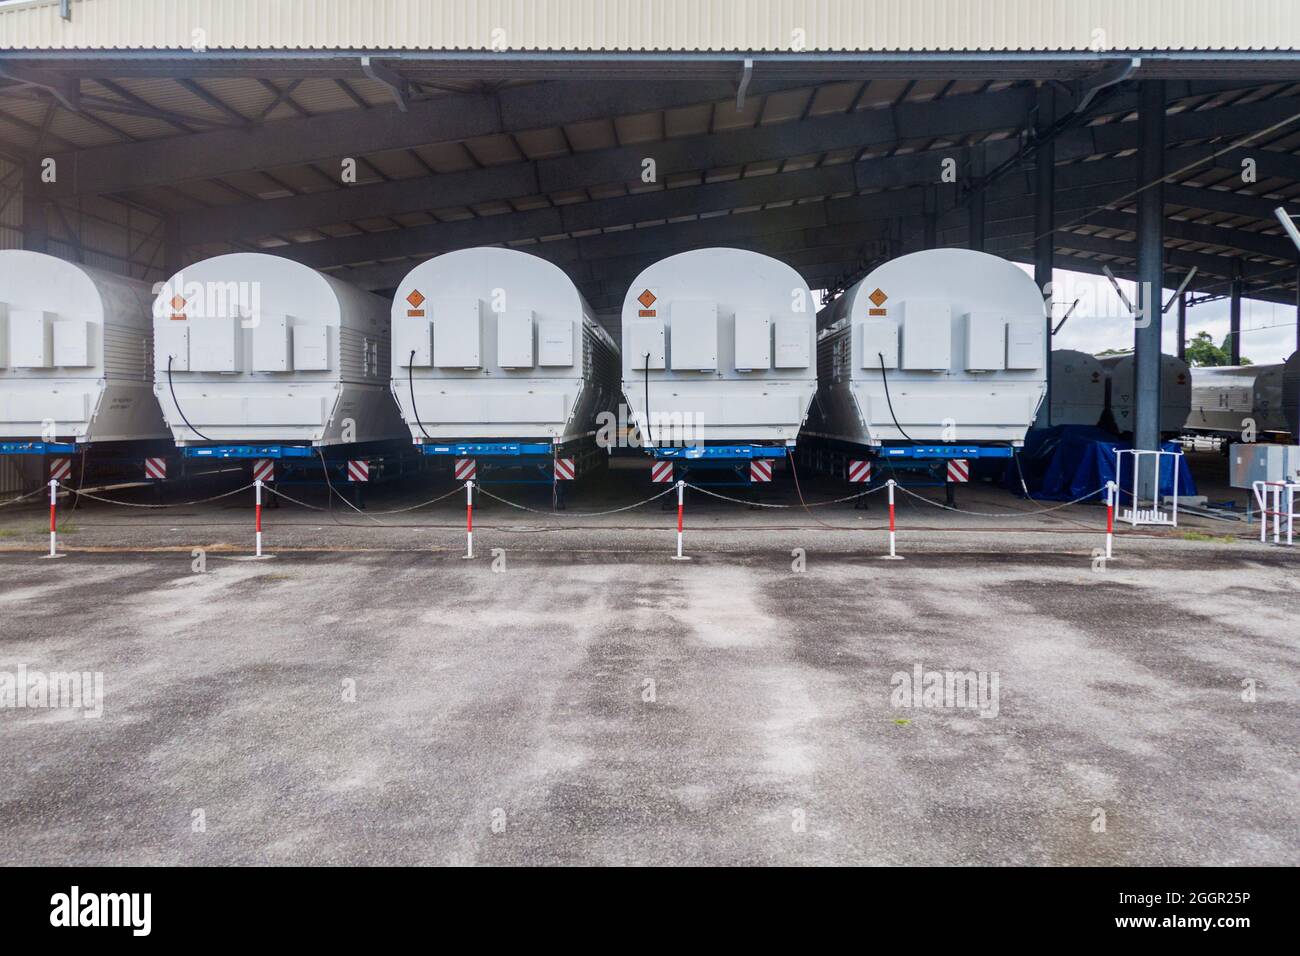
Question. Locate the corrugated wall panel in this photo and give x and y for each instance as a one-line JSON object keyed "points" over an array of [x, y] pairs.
{"points": [[659, 25], [11, 206]]}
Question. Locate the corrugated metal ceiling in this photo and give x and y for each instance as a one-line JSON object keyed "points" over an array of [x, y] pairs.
{"points": [[656, 25]]}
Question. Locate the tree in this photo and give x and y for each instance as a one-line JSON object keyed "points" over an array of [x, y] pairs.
{"points": [[1202, 351]]}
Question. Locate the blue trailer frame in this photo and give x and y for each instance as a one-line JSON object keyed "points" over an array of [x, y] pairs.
{"points": [[387, 460], [927, 460], [735, 459], [519, 462], [114, 460]]}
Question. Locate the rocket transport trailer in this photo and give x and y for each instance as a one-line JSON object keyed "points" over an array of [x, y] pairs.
{"points": [[75, 378], [932, 360], [1078, 392], [718, 366], [500, 368], [261, 359], [1225, 399], [1121, 393]]}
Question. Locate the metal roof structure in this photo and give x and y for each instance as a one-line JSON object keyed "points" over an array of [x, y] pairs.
{"points": [[829, 162], [939, 26]]}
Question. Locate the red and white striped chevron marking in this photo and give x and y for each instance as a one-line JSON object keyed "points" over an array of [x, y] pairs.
{"points": [[60, 468], [958, 469], [264, 469], [760, 469], [155, 468], [466, 469], [564, 469], [661, 472], [859, 471], [358, 470]]}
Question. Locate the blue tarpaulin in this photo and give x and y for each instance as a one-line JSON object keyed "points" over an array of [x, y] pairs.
{"points": [[1069, 461]]}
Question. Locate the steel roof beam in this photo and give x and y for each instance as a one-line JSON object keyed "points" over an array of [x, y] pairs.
{"points": [[957, 116], [331, 136], [622, 164]]}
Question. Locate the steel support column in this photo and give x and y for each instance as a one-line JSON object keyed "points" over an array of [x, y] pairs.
{"points": [[1234, 321], [1045, 222], [36, 230], [1182, 326], [173, 248], [976, 208], [1151, 250]]}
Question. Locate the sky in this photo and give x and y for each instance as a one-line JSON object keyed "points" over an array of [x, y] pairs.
{"points": [[1268, 329], [1101, 321]]}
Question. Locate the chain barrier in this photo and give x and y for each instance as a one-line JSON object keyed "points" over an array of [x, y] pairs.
{"points": [[767, 504], [175, 504], [1002, 514], [577, 514], [30, 494], [393, 511]]}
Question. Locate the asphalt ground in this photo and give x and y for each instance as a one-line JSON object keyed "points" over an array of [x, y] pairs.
{"points": [[369, 696]]}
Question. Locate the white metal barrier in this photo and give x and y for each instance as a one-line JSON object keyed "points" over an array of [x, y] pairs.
{"points": [[1278, 492], [1135, 514]]}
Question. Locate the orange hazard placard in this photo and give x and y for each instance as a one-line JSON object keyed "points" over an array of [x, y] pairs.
{"points": [[416, 298]]}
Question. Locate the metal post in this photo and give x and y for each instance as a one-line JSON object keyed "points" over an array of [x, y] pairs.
{"points": [[1182, 326], [1111, 494], [893, 553], [258, 485], [1045, 221], [1151, 249], [54, 512], [469, 519], [1297, 309], [681, 503], [1234, 321]]}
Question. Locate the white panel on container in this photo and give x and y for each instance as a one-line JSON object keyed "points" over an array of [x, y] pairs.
{"points": [[927, 335], [311, 347], [171, 340], [753, 339], [792, 343], [458, 333], [4, 335], [216, 345], [1025, 342], [31, 338], [409, 335], [986, 341], [72, 343], [515, 338], [879, 339], [556, 346], [694, 341], [271, 343], [645, 337]]}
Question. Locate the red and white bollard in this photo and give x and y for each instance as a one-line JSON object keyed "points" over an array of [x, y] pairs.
{"points": [[893, 553], [681, 503], [54, 518], [1111, 494], [469, 519], [258, 511]]}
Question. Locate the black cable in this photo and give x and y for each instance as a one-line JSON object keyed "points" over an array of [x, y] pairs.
{"points": [[648, 440], [172, 388], [889, 400], [410, 379]]}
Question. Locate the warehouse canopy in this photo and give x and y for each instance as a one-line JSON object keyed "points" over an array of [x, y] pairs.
{"points": [[361, 137]]}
